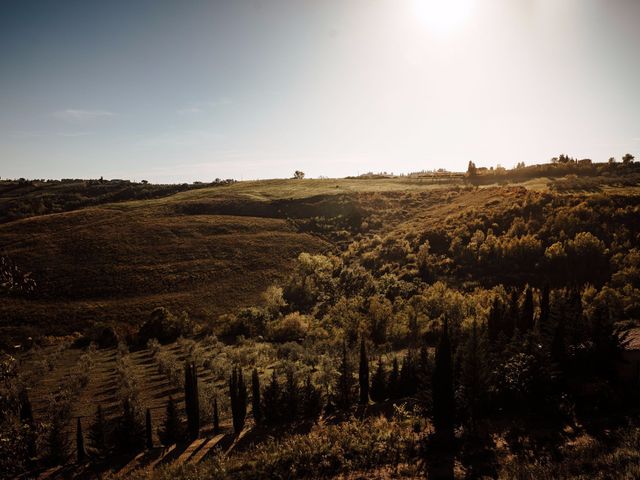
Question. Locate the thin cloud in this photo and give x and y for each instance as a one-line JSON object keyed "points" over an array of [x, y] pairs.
{"points": [[76, 115], [200, 107]]}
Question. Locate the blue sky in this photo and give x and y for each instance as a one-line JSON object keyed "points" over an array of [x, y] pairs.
{"points": [[174, 91]]}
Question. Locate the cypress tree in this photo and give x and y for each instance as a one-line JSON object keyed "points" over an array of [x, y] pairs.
{"points": [[408, 381], [379, 383], [242, 400], [344, 387], [311, 399], [526, 316], [494, 321], [26, 411], [233, 395], [443, 395], [290, 397], [363, 374], [26, 418], [255, 397], [57, 441], [238, 395], [191, 399], [512, 320], [129, 432], [172, 428], [271, 401], [216, 417], [97, 435], [148, 430], [543, 320], [473, 375], [393, 387], [82, 454]]}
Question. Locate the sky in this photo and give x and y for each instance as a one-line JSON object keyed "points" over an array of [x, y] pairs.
{"points": [[182, 91]]}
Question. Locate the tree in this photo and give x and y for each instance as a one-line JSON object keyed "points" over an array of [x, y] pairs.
{"points": [[344, 386], [57, 442], [473, 376], [238, 396], [298, 175], [271, 401], [172, 428], [191, 399], [129, 431], [443, 395], [472, 171], [290, 397], [311, 399], [627, 158], [363, 374], [82, 454], [543, 320], [148, 430], [255, 397], [98, 446], [407, 380], [393, 387], [216, 417], [526, 314], [379, 383]]}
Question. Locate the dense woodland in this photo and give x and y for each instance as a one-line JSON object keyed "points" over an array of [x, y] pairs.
{"points": [[487, 343]]}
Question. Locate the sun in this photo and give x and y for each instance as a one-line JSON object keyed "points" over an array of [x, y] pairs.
{"points": [[443, 16]]}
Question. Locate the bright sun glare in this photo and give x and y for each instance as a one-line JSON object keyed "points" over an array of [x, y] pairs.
{"points": [[443, 16]]}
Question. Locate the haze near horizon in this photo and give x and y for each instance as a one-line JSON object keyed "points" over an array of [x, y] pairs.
{"points": [[184, 91]]}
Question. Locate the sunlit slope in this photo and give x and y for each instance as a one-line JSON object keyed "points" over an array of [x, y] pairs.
{"points": [[118, 262]]}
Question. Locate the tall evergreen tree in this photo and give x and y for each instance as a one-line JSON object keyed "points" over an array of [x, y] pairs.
{"points": [[513, 317], [148, 430], [290, 397], [379, 383], [216, 417], [344, 386], [129, 431], [57, 441], [191, 399], [82, 454], [494, 321], [443, 395], [271, 401], [526, 315], [238, 396], [363, 374], [26, 418], [408, 381], [473, 376], [256, 406], [172, 427], [543, 320], [311, 399], [98, 435], [393, 387]]}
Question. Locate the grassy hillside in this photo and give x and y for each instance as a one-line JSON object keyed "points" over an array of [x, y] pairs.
{"points": [[213, 249]]}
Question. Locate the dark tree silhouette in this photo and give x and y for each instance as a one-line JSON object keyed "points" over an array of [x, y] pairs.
{"points": [[526, 315], [271, 401], [82, 454], [191, 399], [216, 417], [238, 396], [443, 395], [393, 387], [311, 399], [98, 435], [379, 383], [344, 385], [255, 397], [363, 374], [172, 427], [148, 430]]}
